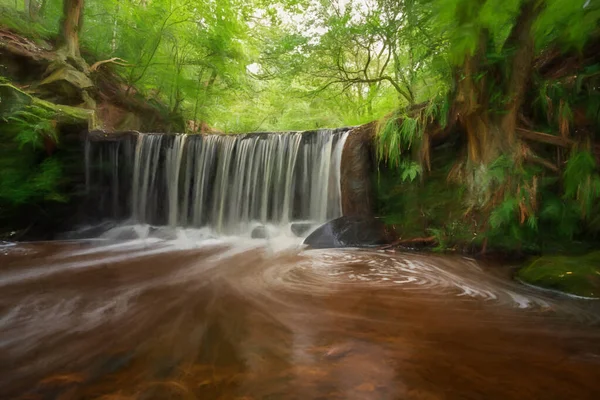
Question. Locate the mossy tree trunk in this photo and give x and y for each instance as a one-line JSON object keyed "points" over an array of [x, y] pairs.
{"points": [[71, 23]]}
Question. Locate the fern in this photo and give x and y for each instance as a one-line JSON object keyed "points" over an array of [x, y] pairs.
{"points": [[410, 170], [24, 178], [581, 181], [504, 214], [395, 140], [31, 125]]}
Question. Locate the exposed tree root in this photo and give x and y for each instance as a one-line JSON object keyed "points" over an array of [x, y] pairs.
{"points": [[114, 60], [29, 64], [420, 242]]}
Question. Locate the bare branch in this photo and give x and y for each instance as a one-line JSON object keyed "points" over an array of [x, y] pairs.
{"points": [[114, 60]]}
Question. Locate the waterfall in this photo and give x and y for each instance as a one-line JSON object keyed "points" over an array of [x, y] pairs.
{"points": [[226, 182]]}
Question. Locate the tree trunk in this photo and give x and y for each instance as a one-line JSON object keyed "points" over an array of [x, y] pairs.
{"points": [[471, 105], [522, 41], [70, 28], [489, 135]]}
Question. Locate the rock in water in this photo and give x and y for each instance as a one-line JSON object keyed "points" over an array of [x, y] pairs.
{"points": [[260, 232], [350, 231], [300, 229]]}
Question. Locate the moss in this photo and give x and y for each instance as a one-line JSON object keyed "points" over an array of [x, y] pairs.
{"points": [[13, 99], [578, 275]]}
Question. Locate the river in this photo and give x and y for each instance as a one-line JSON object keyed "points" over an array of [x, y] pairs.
{"points": [[178, 317]]}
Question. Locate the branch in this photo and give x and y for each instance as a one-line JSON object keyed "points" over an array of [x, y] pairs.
{"points": [[544, 138], [421, 241], [114, 60]]}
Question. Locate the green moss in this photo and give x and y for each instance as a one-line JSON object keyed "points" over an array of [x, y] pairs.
{"points": [[13, 99], [578, 275]]}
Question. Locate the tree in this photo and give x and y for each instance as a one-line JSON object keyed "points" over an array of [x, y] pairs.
{"points": [[71, 23]]}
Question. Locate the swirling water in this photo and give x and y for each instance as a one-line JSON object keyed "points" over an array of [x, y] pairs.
{"points": [[185, 315]]}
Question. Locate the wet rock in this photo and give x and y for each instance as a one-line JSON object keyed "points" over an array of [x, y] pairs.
{"points": [[122, 233], [357, 169], [300, 229], [260, 232], [350, 231], [89, 232], [164, 233]]}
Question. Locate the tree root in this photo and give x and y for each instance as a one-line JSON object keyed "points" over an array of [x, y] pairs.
{"points": [[114, 60], [420, 241]]}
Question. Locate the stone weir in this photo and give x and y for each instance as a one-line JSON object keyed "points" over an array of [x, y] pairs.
{"points": [[229, 182]]}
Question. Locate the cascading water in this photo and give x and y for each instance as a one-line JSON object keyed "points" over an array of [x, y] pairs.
{"points": [[226, 182]]}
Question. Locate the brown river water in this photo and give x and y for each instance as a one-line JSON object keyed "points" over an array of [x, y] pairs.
{"points": [[246, 319]]}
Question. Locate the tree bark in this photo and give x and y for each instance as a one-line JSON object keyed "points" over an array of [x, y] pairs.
{"points": [[471, 105], [520, 69], [70, 28], [489, 135]]}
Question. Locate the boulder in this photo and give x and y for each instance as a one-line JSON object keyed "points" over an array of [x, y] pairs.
{"points": [[162, 232], [300, 229], [260, 232], [350, 231]]}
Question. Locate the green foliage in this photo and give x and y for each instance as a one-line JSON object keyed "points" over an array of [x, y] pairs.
{"points": [[410, 170], [31, 125], [395, 139], [568, 22], [17, 20], [26, 175], [582, 182], [29, 184], [438, 109], [504, 214]]}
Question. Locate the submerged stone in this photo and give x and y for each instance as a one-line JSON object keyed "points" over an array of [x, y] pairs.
{"points": [[350, 231], [577, 275]]}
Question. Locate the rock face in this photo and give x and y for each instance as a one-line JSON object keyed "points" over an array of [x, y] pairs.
{"points": [[350, 231], [357, 171]]}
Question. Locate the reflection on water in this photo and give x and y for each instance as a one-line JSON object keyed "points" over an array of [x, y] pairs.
{"points": [[182, 318]]}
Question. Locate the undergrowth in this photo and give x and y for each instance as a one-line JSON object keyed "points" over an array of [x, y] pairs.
{"points": [[28, 174]]}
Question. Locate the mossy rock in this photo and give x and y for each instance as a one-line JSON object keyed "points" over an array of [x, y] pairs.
{"points": [[65, 85], [13, 99], [578, 275]]}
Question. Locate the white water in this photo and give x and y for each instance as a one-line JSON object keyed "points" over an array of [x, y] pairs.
{"points": [[230, 183]]}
